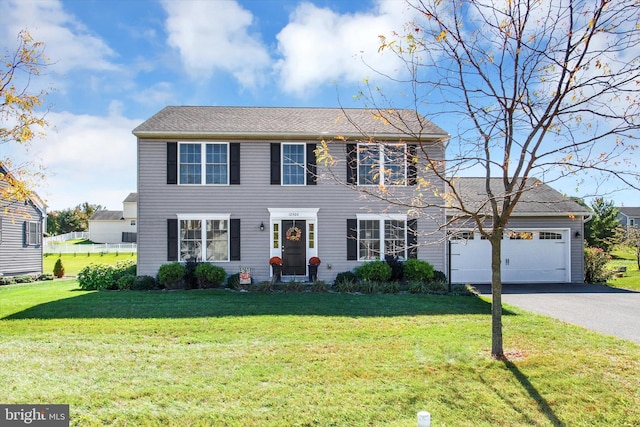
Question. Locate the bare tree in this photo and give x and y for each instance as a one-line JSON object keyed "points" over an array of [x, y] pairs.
{"points": [[535, 90]]}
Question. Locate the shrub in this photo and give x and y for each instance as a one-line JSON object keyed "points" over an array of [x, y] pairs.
{"points": [[58, 268], [7, 281], [346, 285], [377, 271], [417, 269], [417, 287], [439, 276], [368, 287], [45, 276], [347, 276], [437, 287], [143, 283], [123, 268], [264, 287], [171, 275], [24, 279], [389, 287], [190, 279], [464, 290], [125, 282], [209, 275], [396, 267], [319, 286], [294, 286], [595, 261], [96, 277]]}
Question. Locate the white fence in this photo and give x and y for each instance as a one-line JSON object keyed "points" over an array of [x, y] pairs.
{"points": [[93, 249], [65, 237]]}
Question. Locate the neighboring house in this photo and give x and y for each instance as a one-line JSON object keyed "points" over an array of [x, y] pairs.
{"points": [[116, 226], [21, 227], [544, 241], [238, 185], [629, 216]]}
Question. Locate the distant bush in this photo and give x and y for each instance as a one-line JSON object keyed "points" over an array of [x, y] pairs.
{"points": [[377, 271], [595, 261], [417, 269], [143, 283], [45, 276], [171, 275], [210, 275], [96, 277], [24, 279], [58, 268]]}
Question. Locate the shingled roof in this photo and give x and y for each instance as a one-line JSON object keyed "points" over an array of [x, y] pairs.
{"points": [[538, 200], [105, 215], [280, 123]]}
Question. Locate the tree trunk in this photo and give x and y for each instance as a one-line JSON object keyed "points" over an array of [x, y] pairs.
{"points": [[496, 295]]}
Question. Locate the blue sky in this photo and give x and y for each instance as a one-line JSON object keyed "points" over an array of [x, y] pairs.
{"points": [[116, 63]]}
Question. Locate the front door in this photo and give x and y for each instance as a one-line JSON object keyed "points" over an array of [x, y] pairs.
{"points": [[294, 248]]}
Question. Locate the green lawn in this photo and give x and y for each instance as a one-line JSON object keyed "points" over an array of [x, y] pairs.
{"points": [[217, 357], [73, 263], [631, 279]]}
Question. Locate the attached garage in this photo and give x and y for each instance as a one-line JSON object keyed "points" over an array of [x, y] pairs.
{"points": [[544, 241], [528, 256]]}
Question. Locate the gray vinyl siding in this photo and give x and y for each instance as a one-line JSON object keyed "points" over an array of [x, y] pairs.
{"points": [[250, 201], [16, 258]]}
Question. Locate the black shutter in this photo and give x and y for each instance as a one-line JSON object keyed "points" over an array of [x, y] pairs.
{"points": [[412, 238], [275, 163], [25, 231], [352, 240], [234, 163], [172, 239], [412, 168], [234, 241], [172, 163], [352, 163], [312, 169]]}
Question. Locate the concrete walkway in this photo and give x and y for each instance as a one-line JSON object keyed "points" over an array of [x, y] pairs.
{"points": [[600, 308]]}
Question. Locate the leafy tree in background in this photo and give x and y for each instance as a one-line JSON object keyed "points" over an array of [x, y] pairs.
{"points": [[20, 119], [532, 89], [71, 219], [600, 231]]}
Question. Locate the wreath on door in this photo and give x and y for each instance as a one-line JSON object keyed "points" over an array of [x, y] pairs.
{"points": [[294, 233]]}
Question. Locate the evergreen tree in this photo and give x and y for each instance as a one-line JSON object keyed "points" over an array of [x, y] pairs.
{"points": [[600, 230]]}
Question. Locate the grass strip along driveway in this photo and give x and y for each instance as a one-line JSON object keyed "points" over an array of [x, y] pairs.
{"points": [[217, 357]]}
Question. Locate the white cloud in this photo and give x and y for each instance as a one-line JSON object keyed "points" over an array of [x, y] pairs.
{"points": [[69, 44], [214, 35], [319, 46], [88, 158]]}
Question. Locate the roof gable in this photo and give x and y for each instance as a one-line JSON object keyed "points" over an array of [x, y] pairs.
{"points": [[280, 122]]}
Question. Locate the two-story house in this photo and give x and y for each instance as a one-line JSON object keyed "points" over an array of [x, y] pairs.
{"points": [[236, 186], [107, 226], [22, 223], [629, 216]]}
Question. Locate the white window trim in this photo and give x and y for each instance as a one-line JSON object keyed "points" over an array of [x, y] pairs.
{"points": [[203, 162], [381, 162], [381, 219], [38, 233], [203, 233], [304, 163]]}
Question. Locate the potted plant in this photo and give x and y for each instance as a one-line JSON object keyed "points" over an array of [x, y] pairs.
{"points": [[276, 265], [314, 262]]}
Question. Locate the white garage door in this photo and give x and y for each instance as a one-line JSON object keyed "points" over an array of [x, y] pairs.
{"points": [[528, 256]]}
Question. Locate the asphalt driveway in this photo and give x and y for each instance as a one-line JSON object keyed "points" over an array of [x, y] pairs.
{"points": [[599, 308]]}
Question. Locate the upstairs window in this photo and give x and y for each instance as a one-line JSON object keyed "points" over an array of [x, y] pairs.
{"points": [[215, 167], [382, 164], [293, 164]]}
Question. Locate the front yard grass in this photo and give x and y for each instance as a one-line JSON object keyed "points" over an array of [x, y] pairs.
{"points": [[216, 357], [624, 256]]}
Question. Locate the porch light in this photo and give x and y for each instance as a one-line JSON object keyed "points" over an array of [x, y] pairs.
{"points": [[262, 226]]}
